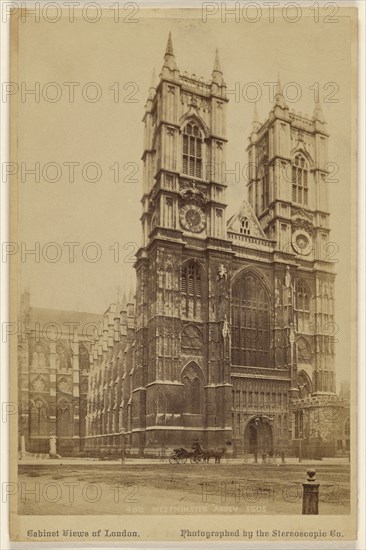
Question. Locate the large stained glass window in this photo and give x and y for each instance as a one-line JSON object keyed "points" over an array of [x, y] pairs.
{"points": [[250, 323]]}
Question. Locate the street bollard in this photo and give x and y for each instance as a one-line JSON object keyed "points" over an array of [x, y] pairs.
{"points": [[310, 496], [282, 457], [255, 458], [264, 458]]}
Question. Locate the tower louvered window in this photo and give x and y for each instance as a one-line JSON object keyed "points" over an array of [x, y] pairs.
{"points": [[265, 189], [245, 226], [191, 289], [192, 151], [300, 190]]}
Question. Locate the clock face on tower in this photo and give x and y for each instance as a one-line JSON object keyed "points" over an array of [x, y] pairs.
{"points": [[192, 218], [301, 242]]}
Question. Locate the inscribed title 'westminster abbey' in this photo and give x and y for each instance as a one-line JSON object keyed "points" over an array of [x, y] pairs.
{"points": [[229, 336]]}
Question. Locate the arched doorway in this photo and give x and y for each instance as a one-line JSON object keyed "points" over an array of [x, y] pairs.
{"points": [[258, 436], [253, 438]]}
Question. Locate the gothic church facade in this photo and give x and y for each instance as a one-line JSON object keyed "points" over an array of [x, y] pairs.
{"points": [[229, 338]]}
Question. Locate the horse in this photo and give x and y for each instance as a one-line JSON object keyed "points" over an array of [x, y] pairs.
{"points": [[217, 454]]}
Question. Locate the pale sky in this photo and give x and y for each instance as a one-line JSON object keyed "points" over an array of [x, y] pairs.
{"points": [[109, 132]]}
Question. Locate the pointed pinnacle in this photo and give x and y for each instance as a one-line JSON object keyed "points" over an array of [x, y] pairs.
{"points": [[279, 86], [318, 112], [216, 67], [153, 79], [131, 296], [169, 58], [279, 98], [169, 46], [152, 88]]}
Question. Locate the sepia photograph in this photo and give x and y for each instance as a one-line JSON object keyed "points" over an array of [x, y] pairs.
{"points": [[183, 272]]}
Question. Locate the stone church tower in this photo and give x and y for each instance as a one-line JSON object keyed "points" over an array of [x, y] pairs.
{"points": [[182, 384], [288, 191]]}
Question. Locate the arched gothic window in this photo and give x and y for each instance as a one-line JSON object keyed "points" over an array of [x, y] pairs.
{"points": [[64, 419], [191, 289], [302, 306], [302, 297], [192, 150], [83, 357], [300, 180], [193, 390], [39, 358], [39, 418], [63, 359], [250, 323]]}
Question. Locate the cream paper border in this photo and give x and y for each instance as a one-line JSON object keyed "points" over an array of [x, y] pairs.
{"points": [[167, 528]]}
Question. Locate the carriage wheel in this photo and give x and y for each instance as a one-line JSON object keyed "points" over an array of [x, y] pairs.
{"points": [[195, 459], [173, 459], [182, 459]]}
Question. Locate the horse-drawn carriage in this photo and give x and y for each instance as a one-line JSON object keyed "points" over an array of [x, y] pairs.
{"points": [[196, 455], [181, 455]]}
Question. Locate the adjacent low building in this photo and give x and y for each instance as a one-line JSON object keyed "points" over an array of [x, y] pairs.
{"points": [[53, 373]]}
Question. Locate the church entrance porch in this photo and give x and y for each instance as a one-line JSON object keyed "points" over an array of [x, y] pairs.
{"points": [[258, 436]]}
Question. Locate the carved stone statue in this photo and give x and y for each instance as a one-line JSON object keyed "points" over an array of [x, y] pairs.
{"points": [[222, 272]]}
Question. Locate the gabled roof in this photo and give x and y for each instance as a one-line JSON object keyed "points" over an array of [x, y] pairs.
{"points": [[45, 315], [246, 211]]}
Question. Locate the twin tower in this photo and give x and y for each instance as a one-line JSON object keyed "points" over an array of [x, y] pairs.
{"points": [[233, 318]]}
